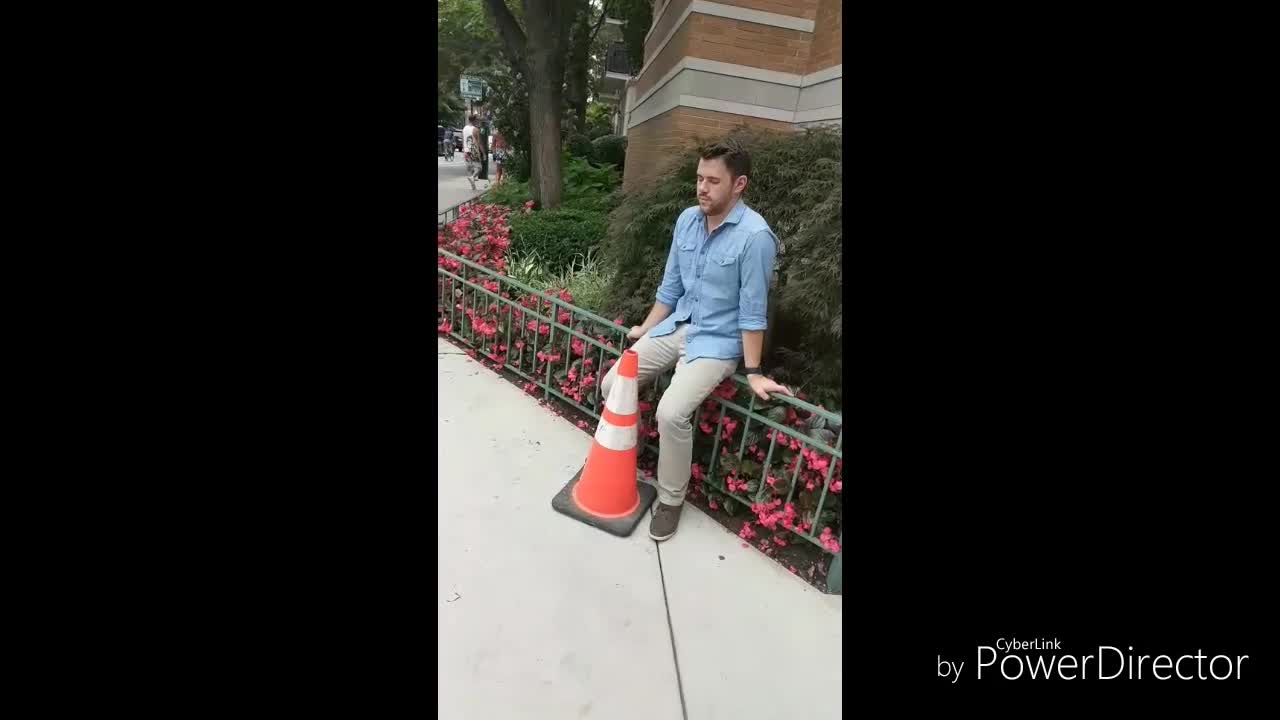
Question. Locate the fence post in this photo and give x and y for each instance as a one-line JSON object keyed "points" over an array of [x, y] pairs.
{"points": [[835, 573]]}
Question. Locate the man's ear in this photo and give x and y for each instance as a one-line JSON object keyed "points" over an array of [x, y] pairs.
{"points": [[740, 184]]}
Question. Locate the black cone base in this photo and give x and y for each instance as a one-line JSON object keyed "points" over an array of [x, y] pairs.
{"points": [[622, 527]]}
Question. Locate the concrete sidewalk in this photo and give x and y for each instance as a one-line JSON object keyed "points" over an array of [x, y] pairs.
{"points": [[544, 617], [451, 182]]}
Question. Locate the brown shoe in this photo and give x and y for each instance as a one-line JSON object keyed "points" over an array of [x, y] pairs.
{"points": [[666, 518]]}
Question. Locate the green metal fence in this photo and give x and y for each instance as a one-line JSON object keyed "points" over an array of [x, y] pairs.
{"points": [[449, 214], [546, 340]]}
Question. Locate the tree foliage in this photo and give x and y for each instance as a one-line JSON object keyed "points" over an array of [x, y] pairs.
{"points": [[638, 15]]}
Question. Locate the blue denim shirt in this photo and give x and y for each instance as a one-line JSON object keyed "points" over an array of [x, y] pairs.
{"points": [[718, 283]]}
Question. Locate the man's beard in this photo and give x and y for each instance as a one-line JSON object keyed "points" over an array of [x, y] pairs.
{"points": [[714, 209]]}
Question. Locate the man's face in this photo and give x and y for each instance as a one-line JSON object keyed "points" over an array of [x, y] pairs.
{"points": [[716, 189]]}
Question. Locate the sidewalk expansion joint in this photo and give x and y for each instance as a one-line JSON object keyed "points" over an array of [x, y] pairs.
{"points": [[684, 712]]}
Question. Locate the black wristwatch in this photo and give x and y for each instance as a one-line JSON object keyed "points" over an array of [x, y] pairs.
{"points": [[752, 371]]}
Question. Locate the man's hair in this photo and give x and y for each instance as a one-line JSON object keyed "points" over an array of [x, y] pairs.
{"points": [[472, 119], [736, 157]]}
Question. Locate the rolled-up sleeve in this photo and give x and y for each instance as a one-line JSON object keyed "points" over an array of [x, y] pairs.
{"points": [[757, 269], [672, 287]]}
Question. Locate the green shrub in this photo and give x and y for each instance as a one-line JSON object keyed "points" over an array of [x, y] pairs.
{"points": [[585, 188], [588, 280], [588, 187], [519, 166], [511, 193], [557, 236], [796, 186], [578, 145], [609, 149]]}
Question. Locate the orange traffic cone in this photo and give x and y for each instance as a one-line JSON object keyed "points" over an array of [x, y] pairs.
{"points": [[605, 492]]}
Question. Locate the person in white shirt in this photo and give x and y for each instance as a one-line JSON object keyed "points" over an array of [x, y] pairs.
{"points": [[473, 149]]}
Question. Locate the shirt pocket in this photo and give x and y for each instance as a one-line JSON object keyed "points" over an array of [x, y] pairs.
{"points": [[722, 276], [688, 258]]}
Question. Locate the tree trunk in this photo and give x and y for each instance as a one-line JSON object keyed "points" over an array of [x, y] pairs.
{"points": [[576, 77], [540, 49], [545, 103]]}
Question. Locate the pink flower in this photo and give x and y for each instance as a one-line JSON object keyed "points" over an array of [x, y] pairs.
{"points": [[746, 533], [618, 321], [695, 471], [705, 428], [582, 423], [828, 540]]}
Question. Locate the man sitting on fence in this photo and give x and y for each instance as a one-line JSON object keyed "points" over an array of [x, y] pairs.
{"points": [[710, 314]]}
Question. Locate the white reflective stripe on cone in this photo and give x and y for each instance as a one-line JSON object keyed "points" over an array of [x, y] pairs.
{"points": [[623, 396], [615, 438]]}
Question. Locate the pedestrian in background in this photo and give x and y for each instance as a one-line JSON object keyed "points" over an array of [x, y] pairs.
{"points": [[499, 155], [473, 150]]}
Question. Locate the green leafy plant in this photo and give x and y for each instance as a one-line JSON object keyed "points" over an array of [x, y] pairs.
{"points": [[511, 193], [609, 150], [578, 145], [587, 280], [599, 120], [557, 236]]}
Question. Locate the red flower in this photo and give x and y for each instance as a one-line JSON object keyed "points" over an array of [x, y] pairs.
{"points": [[828, 540]]}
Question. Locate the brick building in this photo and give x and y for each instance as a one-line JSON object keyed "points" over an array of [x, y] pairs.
{"points": [[710, 66]]}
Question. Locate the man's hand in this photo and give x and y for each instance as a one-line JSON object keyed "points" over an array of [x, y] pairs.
{"points": [[636, 332], [762, 386]]}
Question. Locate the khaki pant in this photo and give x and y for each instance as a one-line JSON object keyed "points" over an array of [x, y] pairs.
{"points": [[692, 383]]}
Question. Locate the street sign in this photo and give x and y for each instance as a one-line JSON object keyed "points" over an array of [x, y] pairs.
{"points": [[472, 88]]}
